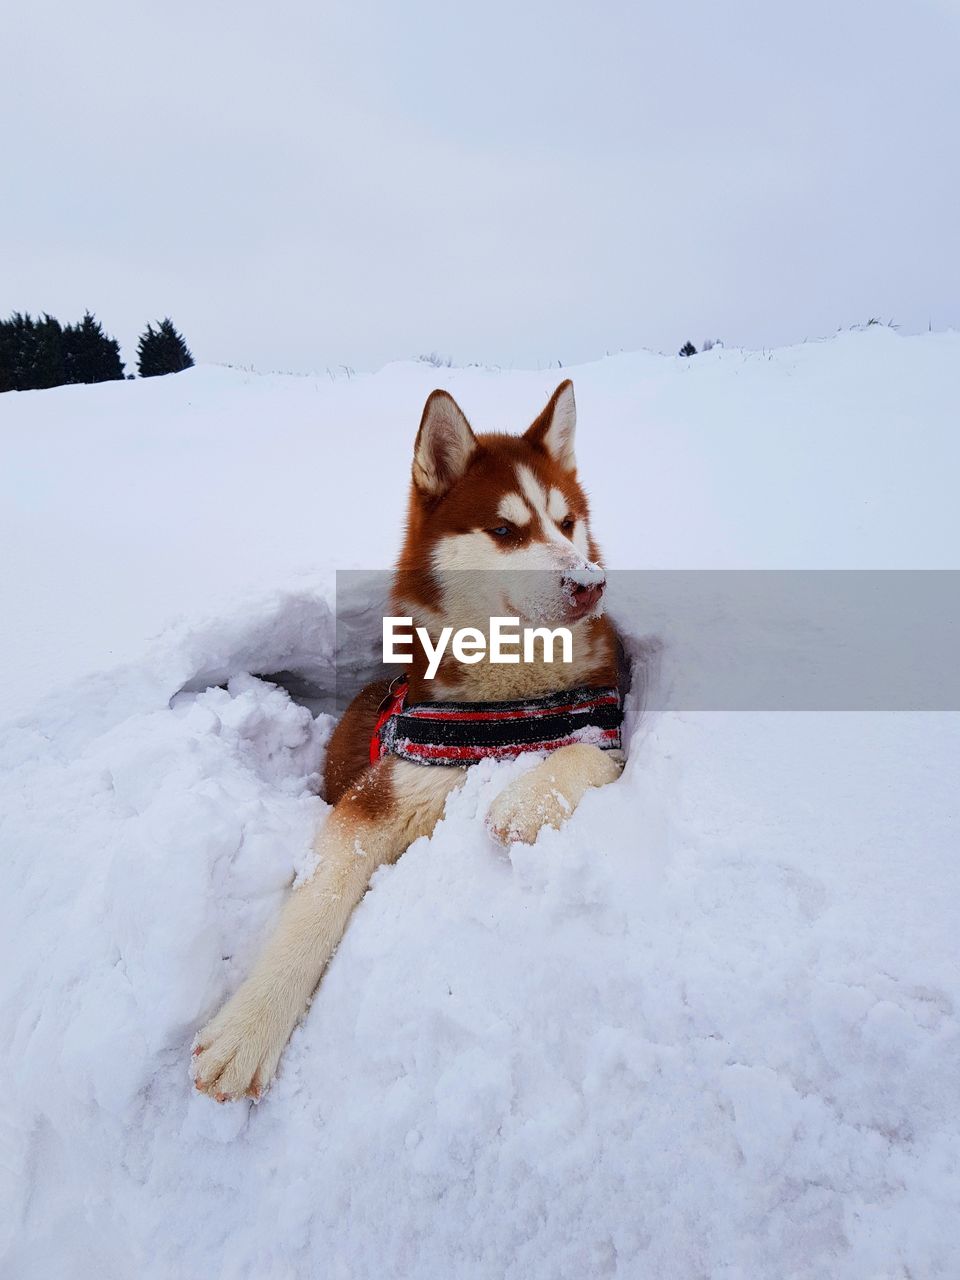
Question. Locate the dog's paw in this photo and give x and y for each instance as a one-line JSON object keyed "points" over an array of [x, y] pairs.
{"points": [[236, 1055], [548, 794], [522, 808]]}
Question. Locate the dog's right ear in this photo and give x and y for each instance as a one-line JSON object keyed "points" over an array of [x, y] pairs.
{"points": [[445, 445]]}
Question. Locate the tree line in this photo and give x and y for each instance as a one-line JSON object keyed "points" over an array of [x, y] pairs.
{"points": [[39, 352]]}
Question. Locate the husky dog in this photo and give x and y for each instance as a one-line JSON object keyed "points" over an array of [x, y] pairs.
{"points": [[497, 525]]}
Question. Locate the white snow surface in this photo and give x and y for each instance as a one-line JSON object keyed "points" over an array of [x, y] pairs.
{"points": [[710, 1029]]}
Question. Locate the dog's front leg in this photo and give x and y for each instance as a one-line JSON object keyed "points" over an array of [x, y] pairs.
{"points": [[236, 1054], [548, 794]]}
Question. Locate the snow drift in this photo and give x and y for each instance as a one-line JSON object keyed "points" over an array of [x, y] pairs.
{"points": [[709, 1029]]}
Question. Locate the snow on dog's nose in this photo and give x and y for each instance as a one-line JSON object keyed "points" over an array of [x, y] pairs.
{"points": [[587, 575], [583, 589]]}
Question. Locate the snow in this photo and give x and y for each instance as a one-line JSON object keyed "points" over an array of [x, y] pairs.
{"points": [[708, 1029]]}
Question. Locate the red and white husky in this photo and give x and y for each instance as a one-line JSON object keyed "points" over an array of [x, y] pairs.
{"points": [[477, 503]]}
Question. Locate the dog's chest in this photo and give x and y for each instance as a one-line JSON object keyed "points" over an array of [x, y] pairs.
{"points": [[505, 682]]}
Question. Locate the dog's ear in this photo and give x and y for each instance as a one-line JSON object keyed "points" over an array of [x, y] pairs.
{"points": [[445, 445], [554, 429]]}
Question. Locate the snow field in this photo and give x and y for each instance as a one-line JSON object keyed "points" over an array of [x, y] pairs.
{"points": [[709, 1029]]}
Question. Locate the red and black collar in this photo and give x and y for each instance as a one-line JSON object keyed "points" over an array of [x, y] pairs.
{"points": [[457, 733]]}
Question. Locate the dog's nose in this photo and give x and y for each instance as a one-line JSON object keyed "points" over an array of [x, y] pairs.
{"points": [[585, 595]]}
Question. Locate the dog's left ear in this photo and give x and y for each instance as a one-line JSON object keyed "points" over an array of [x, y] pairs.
{"points": [[554, 429]]}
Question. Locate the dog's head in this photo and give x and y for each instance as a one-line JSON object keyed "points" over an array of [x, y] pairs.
{"points": [[499, 524]]}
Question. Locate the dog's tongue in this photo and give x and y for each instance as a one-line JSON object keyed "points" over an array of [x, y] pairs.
{"points": [[583, 589], [585, 597]]}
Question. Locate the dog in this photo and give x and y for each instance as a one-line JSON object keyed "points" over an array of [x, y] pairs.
{"points": [[497, 525]]}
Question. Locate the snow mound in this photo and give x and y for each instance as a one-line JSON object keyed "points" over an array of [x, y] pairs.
{"points": [[708, 1029]]}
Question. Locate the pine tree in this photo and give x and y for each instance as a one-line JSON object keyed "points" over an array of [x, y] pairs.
{"points": [[49, 366], [90, 355], [688, 349], [162, 350], [6, 355], [35, 354], [18, 349]]}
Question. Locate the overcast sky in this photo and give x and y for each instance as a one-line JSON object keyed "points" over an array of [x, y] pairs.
{"points": [[304, 184]]}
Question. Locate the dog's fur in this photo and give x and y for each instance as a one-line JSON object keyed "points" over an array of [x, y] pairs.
{"points": [[497, 525]]}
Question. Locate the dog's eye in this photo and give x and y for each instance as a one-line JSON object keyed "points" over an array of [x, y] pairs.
{"points": [[501, 531], [567, 524]]}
